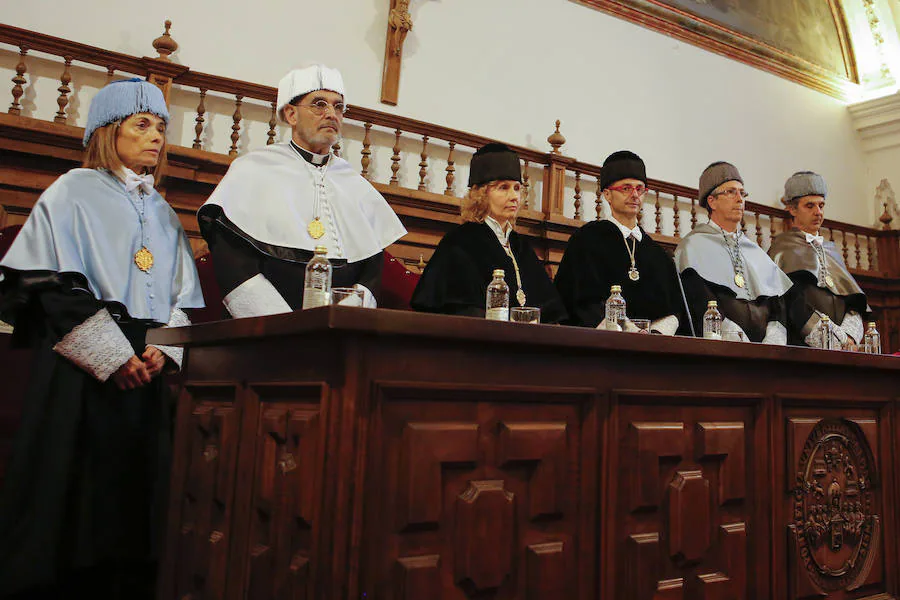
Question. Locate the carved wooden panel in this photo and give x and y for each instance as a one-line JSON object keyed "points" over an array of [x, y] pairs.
{"points": [[285, 485], [833, 504], [679, 489], [482, 488], [207, 501]]}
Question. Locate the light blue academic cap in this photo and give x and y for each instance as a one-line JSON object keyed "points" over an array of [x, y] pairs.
{"points": [[121, 99]]}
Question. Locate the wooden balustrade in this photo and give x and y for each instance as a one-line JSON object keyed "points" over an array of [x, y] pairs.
{"points": [[875, 253]]}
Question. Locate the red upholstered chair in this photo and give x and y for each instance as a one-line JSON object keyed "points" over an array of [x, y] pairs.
{"points": [[397, 284], [212, 295], [7, 235]]}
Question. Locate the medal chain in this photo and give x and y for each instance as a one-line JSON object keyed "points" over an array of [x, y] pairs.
{"points": [[518, 275], [734, 253], [631, 250]]}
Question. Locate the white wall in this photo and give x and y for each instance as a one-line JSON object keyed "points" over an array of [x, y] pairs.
{"points": [[505, 69]]}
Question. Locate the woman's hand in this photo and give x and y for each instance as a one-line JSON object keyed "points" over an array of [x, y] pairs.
{"points": [[154, 360], [132, 374]]}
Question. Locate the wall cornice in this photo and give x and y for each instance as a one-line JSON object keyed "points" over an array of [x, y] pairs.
{"points": [[877, 122]]}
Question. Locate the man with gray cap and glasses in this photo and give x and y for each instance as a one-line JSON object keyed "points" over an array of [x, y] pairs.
{"points": [[718, 262], [822, 284], [275, 205]]}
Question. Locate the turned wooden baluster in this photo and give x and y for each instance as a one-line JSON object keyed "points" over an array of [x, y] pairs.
{"points": [[743, 225], [236, 128], [758, 231], [856, 244], [677, 217], [873, 254], [526, 186], [395, 159], [845, 249], [19, 80], [64, 91], [273, 123], [423, 164], [366, 151], [771, 227], [598, 203], [336, 149], [451, 176], [198, 128], [693, 213], [578, 195], [110, 73], [658, 209]]}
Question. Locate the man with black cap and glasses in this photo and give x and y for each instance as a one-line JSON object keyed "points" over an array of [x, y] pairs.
{"points": [[616, 251], [822, 284], [718, 262], [456, 278], [275, 205]]}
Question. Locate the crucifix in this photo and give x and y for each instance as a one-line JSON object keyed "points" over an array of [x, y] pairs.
{"points": [[399, 25]]}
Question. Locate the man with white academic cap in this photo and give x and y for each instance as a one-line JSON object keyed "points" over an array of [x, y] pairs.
{"points": [[822, 284], [276, 204]]}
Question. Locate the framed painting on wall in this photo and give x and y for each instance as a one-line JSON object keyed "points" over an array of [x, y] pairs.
{"points": [[806, 41]]}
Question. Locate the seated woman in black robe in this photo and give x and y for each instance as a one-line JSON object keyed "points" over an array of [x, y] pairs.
{"points": [[456, 278]]}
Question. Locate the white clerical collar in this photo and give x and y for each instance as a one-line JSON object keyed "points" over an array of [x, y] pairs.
{"points": [[502, 233], [636, 231], [817, 239], [734, 234], [311, 157]]}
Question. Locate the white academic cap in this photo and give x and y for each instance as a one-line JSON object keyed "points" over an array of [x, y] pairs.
{"points": [[310, 79]]}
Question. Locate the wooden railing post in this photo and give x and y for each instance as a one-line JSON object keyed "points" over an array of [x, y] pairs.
{"points": [[160, 70], [553, 200], [889, 253]]}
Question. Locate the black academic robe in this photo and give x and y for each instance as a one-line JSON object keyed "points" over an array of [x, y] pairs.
{"points": [[596, 259], [83, 500], [752, 316], [456, 278], [237, 257], [806, 297]]}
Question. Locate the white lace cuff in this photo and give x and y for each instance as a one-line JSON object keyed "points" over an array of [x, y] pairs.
{"points": [[176, 353], [852, 325], [776, 334], [256, 297], [666, 325], [97, 346]]}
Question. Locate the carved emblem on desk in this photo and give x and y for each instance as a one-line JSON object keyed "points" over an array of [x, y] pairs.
{"points": [[836, 532]]}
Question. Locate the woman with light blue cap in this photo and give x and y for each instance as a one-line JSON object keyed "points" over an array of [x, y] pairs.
{"points": [[101, 259]]}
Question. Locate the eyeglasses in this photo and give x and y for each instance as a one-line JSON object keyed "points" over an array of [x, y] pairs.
{"points": [[629, 189], [320, 107], [732, 193]]}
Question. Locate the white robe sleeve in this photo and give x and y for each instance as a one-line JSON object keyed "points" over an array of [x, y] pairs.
{"points": [[256, 297], [176, 353]]}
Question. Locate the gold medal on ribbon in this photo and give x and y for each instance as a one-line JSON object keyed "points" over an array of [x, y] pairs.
{"points": [[315, 228], [143, 258], [829, 281], [633, 274], [739, 280], [520, 296]]}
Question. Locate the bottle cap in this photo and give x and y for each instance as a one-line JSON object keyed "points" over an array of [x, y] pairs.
{"points": [[871, 324], [615, 288], [499, 272], [825, 319], [712, 304], [321, 250]]}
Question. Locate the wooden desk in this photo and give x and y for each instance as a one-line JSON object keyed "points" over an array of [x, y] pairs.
{"points": [[341, 453]]}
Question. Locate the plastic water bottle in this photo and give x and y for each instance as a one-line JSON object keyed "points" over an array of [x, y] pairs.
{"points": [[712, 321], [871, 340], [497, 302], [825, 335], [317, 283], [615, 309]]}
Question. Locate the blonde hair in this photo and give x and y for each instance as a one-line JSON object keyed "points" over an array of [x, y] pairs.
{"points": [[101, 153], [475, 207]]}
